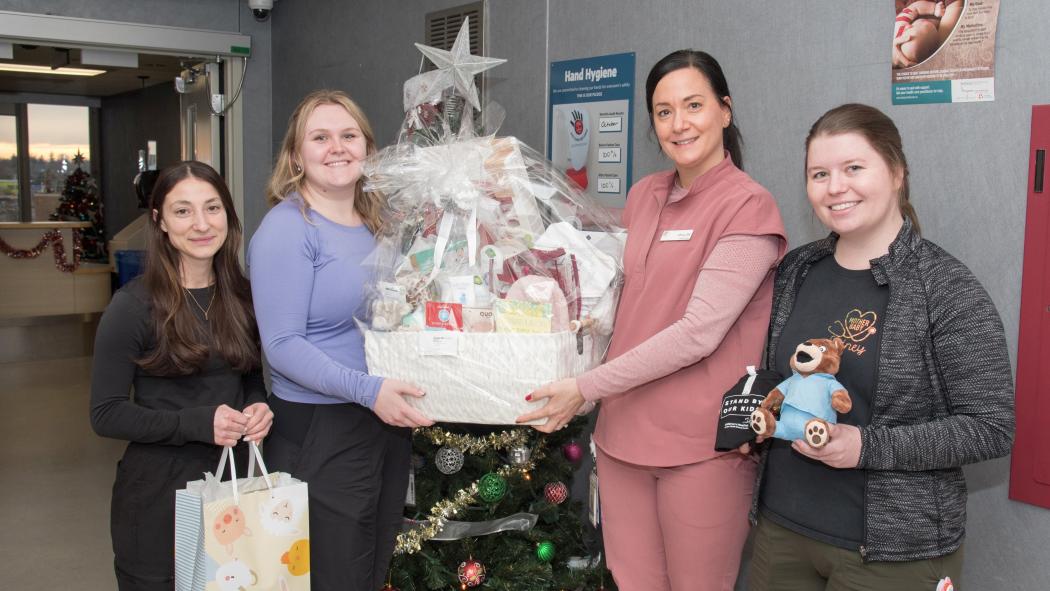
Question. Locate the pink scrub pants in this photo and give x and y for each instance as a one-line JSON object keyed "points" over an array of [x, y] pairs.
{"points": [[679, 528]]}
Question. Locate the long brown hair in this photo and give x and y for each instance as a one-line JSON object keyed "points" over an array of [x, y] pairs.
{"points": [[288, 173], [881, 134], [182, 346]]}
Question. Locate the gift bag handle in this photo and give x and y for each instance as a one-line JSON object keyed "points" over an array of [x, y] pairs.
{"points": [[227, 452], [254, 458], [222, 463]]}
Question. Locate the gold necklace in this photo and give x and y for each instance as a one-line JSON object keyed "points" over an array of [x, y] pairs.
{"points": [[211, 299]]}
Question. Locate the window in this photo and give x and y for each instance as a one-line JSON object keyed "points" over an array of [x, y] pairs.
{"points": [[9, 208], [33, 170], [57, 133]]}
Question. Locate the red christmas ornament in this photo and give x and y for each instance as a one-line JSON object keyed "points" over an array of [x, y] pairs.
{"points": [[471, 573], [572, 451], [556, 493]]}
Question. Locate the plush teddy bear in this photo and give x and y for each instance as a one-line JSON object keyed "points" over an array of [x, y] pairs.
{"points": [[808, 400]]}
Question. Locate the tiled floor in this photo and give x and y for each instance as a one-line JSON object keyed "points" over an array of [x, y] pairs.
{"points": [[57, 475]]}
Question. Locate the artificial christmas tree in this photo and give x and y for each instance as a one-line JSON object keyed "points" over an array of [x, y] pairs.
{"points": [[495, 276], [526, 541], [80, 203]]}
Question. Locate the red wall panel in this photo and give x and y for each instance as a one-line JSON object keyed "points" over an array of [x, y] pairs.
{"points": [[1030, 463]]}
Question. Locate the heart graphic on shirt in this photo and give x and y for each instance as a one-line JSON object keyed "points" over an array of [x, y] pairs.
{"points": [[857, 326]]}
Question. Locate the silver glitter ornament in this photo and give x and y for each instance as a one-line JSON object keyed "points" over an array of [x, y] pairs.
{"points": [[519, 455], [449, 460]]}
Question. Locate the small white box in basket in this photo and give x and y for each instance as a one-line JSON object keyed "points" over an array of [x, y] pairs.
{"points": [[476, 377]]}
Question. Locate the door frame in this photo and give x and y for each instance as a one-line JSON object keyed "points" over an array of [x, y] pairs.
{"points": [[81, 33]]}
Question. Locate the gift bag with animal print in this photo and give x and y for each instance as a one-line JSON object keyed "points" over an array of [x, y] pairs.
{"points": [[192, 567], [255, 533]]}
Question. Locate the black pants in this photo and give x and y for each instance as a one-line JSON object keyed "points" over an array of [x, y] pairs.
{"points": [[357, 471], [142, 514]]}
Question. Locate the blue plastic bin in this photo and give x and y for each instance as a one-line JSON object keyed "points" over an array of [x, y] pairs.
{"points": [[129, 265]]}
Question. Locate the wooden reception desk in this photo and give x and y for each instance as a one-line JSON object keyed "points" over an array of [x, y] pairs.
{"points": [[36, 287]]}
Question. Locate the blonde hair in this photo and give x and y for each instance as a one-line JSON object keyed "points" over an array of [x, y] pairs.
{"points": [[288, 173]]}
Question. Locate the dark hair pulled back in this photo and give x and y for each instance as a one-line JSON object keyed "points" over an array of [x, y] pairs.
{"points": [[709, 67]]}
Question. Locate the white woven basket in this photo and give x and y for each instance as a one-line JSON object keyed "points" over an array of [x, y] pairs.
{"points": [[479, 377]]}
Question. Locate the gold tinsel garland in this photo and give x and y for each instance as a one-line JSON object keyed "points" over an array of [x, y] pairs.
{"points": [[411, 541], [476, 445]]}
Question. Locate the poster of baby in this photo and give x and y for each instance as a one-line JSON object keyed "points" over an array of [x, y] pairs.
{"points": [[943, 51]]}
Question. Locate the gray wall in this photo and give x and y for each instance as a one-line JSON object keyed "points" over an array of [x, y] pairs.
{"points": [[361, 51], [219, 15], [969, 162], [126, 122], [368, 52], [786, 66]]}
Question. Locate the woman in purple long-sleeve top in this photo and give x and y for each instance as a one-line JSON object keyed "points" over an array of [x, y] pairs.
{"points": [[344, 432]]}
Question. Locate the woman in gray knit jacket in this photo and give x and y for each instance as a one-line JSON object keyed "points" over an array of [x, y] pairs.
{"points": [[883, 504]]}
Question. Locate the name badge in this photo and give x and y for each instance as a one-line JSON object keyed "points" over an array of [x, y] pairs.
{"points": [[675, 235]]}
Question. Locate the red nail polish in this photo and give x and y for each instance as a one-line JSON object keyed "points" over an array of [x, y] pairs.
{"points": [[528, 397]]}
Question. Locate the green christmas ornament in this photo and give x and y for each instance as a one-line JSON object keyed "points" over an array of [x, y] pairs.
{"points": [[545, 551], [492, 487]]}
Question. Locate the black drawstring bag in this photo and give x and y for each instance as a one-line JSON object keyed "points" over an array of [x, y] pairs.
{"points": [[734, 418]]}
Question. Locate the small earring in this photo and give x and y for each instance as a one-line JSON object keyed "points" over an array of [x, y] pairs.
{"points": [[298, 169]]}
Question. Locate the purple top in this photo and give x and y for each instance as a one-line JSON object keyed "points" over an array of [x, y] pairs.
{"points": [[307, 283]]}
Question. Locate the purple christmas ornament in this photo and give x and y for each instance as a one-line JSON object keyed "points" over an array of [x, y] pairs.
{"points": [[572, 451]]}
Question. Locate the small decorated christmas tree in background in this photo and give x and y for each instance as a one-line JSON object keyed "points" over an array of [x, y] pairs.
{"points": [[491, 251], [81, 203]]}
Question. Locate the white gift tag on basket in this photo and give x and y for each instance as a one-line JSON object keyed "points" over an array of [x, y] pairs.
{"points": [[439, 343]]}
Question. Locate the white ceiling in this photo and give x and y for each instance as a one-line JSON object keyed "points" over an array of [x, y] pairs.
{"points": [[152, 69]]}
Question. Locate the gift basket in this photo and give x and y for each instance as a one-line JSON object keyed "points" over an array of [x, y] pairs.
{"points": [[494, 274]]}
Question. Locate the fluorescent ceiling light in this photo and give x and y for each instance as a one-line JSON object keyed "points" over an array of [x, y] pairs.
{"points": [[64, 71]]}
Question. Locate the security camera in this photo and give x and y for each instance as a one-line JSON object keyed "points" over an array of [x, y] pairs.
{"points": [[261, 9]]}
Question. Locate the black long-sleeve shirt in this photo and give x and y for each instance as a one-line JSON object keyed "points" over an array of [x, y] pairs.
{"points": [[128, 403]]}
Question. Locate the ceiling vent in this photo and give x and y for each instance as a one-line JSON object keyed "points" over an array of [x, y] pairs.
{"points": [[443, 26]]}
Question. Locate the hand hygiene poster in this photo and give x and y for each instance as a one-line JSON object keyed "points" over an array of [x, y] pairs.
{"points": [[589, 124], [944, 52]]}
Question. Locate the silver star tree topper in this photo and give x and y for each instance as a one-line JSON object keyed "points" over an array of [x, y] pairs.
{"points": [[455, 68]]}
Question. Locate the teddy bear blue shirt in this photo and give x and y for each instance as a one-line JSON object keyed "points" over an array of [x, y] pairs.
{"points": [[805, 397]]}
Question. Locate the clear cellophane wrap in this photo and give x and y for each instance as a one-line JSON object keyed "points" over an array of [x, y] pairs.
{"points": [[493, 276]]}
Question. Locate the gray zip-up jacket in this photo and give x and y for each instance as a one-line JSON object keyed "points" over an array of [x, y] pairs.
{"points": [[943, 397]]}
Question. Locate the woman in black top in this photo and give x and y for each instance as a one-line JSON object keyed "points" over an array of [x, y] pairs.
{"points": [[883, 504], [183, 337]]}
